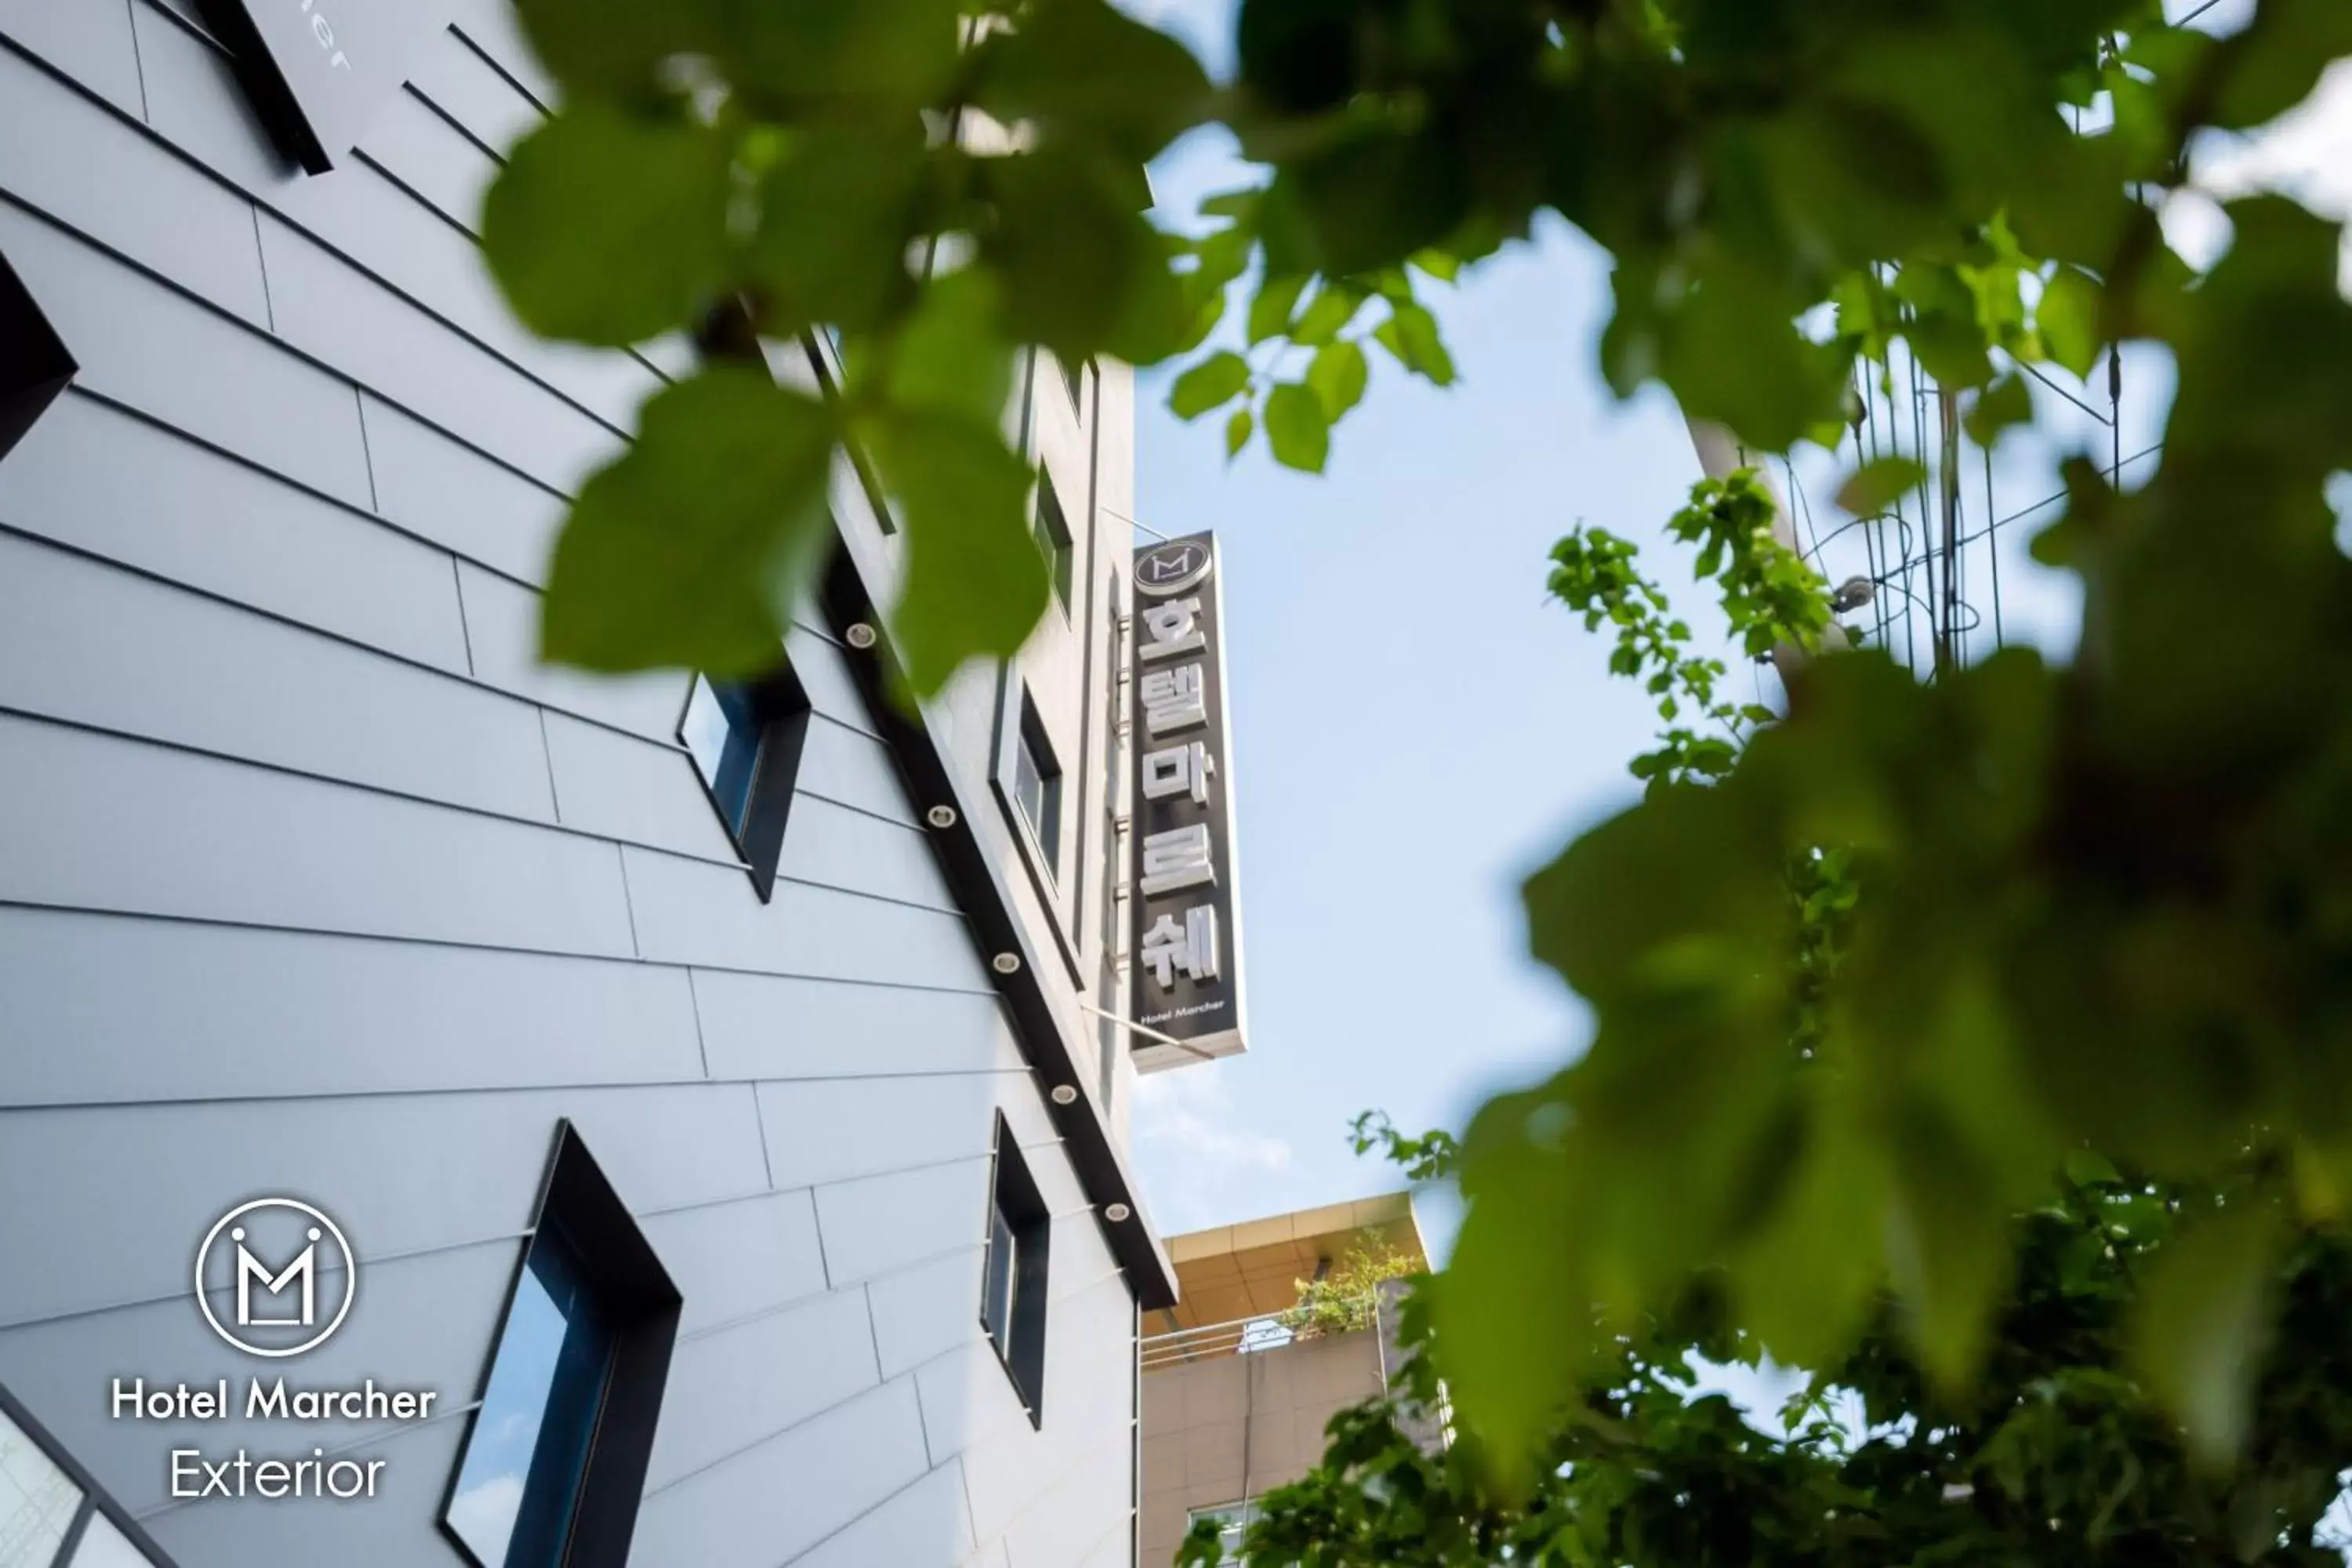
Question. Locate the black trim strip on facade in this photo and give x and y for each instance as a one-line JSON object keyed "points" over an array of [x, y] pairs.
{"points": [[988, 903], [95, 1499]]}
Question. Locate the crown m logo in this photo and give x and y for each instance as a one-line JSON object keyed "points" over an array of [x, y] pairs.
{"points": [[274, 1277], [249, 1268]]}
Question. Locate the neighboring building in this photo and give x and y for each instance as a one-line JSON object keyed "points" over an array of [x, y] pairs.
{"points": [[1234, 1404], [703, 1092]]}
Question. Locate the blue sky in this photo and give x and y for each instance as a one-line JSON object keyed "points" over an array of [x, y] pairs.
{"points": [[1415, 728]]}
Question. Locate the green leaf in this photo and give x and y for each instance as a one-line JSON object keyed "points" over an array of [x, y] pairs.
{"points": [[1411, 335], [690, 550], [1333, 307], [615, 49], [1297, 429], [2068, 321], [1085, 65], [2086, 1168], [1730, 349], [1806, 1276], [836, 208], [889, 56], [1084, 272], [1339, 374], [2006, 404], [953, 357], [1378, 194], [1237, 432], [1271, 308], [1438, 264], [609, 229], [2203, 1322], [1211, 383], [2285, 50], [1873, 487], [975, 585]]}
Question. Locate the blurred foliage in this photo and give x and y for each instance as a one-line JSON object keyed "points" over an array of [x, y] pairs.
{"points": [[2122, 1303], [1859, 994], [2052, 1457], [1346, 1298]]}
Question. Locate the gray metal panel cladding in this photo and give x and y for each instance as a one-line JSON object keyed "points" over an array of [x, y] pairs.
{"points": [[84, 640], [349, 321], [162, 352], [96, 479], [769, 1503], [819, 1352], [194, 230], [413, 1174], [283, 897], [89, 43], [462, 79], [438, 489], [632, 790], [502, 626], [240, 1012], [227, 841], [768, 1026], [689, 911]]}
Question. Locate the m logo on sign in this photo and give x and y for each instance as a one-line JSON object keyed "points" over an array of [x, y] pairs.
{"points": [[282, 1266], [1172, 567]]}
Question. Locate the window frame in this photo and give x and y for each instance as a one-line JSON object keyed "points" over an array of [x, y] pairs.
{"points": [[578, 1203], [1014, 1196], [1049, 524], [95, 1499], [1032, 746], [1021, 722], [780, 707]]}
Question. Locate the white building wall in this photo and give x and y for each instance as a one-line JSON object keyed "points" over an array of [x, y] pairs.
{"points": [[311, 881]]}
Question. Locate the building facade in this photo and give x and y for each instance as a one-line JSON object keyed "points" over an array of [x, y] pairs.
{"points": [[1235, 1398], [714, 1081]]}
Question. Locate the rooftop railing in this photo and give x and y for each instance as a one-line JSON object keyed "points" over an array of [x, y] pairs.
{"points": [[1242, 1336]]}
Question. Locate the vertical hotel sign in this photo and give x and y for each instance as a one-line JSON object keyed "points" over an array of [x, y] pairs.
{"points": [[1187, 983]]}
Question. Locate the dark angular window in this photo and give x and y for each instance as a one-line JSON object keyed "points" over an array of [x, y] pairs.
{"points": [[745, 738], [52, 1514], [1037, 784], [34, 364], [1054, 538], [1012, 1288], [555, 1456], [1074, 379]]}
